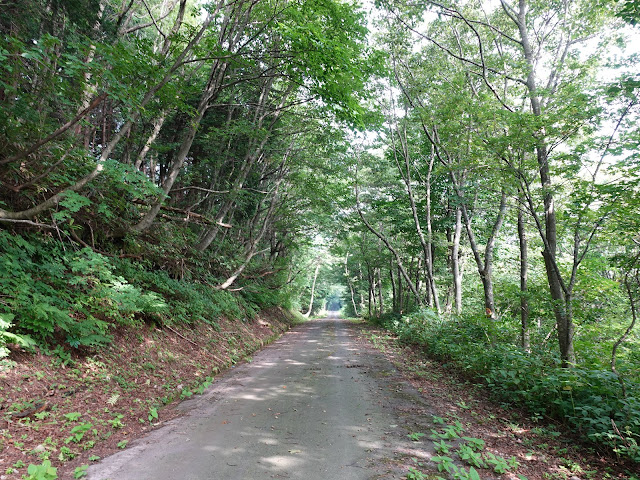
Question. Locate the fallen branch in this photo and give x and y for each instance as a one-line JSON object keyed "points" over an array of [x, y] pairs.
{"points": [[28, 222], [182, 336]]}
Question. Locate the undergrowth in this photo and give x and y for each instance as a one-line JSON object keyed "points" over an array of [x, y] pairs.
{"points": [[56, 294], [589, 400]]}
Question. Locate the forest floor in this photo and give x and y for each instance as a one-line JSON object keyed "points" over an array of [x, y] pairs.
{"points": [[544, 450], [75, 409]]}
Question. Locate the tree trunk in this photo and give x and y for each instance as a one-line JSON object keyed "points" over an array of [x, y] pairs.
{"points": [[350, 283], [394, 293], [456, 267], [390, 248], [425, 243], [524, 304], [313, 291], [561, 301], [485, 267], [380, 300]]}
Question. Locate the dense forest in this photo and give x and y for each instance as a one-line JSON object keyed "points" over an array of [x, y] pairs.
{"points": [[463, 173]]}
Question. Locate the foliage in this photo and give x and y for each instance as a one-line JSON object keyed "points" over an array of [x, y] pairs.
{"points": [[37, 274], [589, 399], [8, 337], [105, 292], [42, 472]]}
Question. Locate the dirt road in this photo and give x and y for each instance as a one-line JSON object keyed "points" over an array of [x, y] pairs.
{"points": [[316, 404]]}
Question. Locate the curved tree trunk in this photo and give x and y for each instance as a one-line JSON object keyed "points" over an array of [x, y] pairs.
{"points": [[313, 291]]}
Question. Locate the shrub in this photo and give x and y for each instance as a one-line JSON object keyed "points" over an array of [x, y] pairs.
{"points": [[55, 292], [588, 399]]}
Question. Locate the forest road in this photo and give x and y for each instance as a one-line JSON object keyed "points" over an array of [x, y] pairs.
{"points": [[318, 404]]}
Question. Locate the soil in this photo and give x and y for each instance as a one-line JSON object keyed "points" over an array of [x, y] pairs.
{"points": [[74, 409], [543, 449]]}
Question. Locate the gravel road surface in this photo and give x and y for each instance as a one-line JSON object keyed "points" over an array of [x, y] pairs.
{"points": [[318, 404]]}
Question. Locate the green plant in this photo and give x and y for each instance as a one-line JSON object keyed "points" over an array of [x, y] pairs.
{"points": [[77, 432], [80, 471], [470, 456], [72, 416], [585, 398], [444, 463], [153, 414], [89, 445], [42, 472], [66, 454], [414, 474], [476, 444], [116, 422], [9, 337], [415, 436], [499, 464], [441, 447], [122, 443]]}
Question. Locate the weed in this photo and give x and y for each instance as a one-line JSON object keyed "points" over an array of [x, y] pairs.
{"points": [[80, 471], [42, 472], [468, 455], [73, 416], [414, 474], [476, 444], [66, 454], [441, 447], [499, 464], [77, 432], [117, 421], [153, 414], [415, 436]]}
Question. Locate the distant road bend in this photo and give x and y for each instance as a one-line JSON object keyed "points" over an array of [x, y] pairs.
{"points": [[315, 405]]}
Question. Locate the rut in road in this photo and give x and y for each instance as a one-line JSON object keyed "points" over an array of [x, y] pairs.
{"points": [[316, 404]]}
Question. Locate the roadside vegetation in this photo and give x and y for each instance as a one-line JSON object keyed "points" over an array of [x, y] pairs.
{"points": [[469, 433], [463, 173], [590, 400]]}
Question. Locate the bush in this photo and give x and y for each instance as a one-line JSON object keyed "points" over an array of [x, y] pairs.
{"points": [[588, 399]]}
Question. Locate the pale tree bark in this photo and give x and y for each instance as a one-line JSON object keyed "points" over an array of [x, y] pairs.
{"points": [[390, 247], [347, 275], [405, 171], [255, 152], [561, 301], [456, 266], [394, 291], [307, 314], [231, 25], [524, 271], [380, 298], [252, 251], [157, 126], [485, 262]]}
